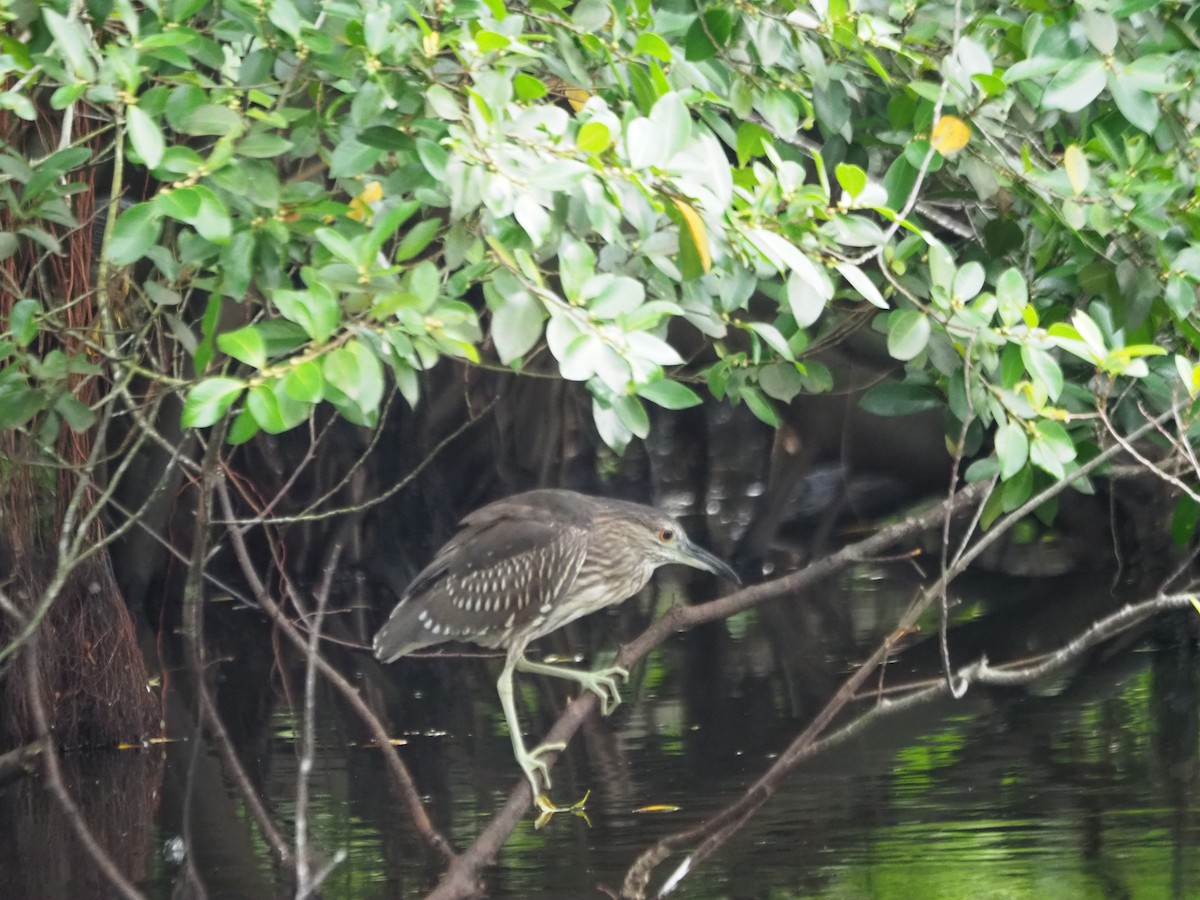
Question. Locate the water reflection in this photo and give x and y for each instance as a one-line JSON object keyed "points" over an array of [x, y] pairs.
{"points": [[1080, 788]]}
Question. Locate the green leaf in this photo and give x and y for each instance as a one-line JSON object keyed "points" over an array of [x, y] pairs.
{"points": [[385, 226], [760, 406], [209, 400], [1012, 295], [672, 124], [1076, 85], [576, 263], [1055, 435], [178, 203], [417, 239], [861, 282], [1042, 455], [807, 296], [517, 317], [245, 344], [751, 140], [594, 137], [22, 321], [356, 372], [1184, 519], [210, 119], [263, 145], [243, 428], [670, 394], [1043, 369], [134, 233], [74, 42], [77, 414], [434, 158], [1016, 490], [1180, 297], [650, 44], [145, 135], [18, 401], [272, 408], [851, 178], [1140, 108], [899, 398], [780, 112], [771, 337], [968, 281], [707, 34], [781, 381], [908, 333], [315, 310], [20, 104], [305, 383], [384, 137], [338, 245], [941, 266], [633, 415], [1012, 448], [609, 296], [425, 282], [609, 426], [528, 88]]}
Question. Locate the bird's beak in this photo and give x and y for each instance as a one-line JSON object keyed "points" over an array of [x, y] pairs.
{"points": [[699, 558]]}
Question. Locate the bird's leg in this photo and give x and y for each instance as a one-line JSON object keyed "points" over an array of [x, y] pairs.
{"points": [[602, 682], [528, 760]]}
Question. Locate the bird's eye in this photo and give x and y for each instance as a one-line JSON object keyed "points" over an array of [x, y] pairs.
{"points": [[666, 535]]}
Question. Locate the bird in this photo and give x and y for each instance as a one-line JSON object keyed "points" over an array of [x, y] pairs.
{"points": [[522, 567]]}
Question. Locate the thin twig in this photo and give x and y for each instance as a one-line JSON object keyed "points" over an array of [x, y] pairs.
{"points": [[757, 794], [348, 692], [58, 788], [304, 881]]}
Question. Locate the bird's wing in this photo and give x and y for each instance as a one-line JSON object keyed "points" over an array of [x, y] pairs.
{"points": [[506, 568]]}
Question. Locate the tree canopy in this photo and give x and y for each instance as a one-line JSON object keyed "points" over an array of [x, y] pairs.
{"points": [[1007, 192]]}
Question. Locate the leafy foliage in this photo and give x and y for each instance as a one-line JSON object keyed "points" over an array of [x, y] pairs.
{"points": [[1005, 191]]}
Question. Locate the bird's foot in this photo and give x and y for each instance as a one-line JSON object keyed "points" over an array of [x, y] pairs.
{"points": [[547, 810], [603, 683], [531, 765]]}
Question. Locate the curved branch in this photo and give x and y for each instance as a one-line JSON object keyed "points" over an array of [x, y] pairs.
{"points": [[713, 832], [400, 774]]}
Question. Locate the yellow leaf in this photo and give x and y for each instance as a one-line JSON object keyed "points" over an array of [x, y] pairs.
{"points": [[576, 96], [658, 808], [360, 206], [950, 135], [429, 43], [695, 227], [1078, 171]]}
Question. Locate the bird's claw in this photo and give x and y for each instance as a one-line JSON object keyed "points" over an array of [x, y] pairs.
{"points": [[531, 765], [603, 683]]}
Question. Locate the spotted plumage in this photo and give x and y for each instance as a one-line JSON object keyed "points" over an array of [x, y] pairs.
{"points": [[523, 567]]}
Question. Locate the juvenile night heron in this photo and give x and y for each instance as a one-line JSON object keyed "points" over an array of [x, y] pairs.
{"points": [[525, 566]]}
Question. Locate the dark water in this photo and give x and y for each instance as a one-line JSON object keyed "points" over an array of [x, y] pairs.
{"points": [[1080, 787]]}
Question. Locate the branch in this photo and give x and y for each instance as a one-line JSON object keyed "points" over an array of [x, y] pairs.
{"points": [[713, 833], [193, 627], [400, 774], [462, 878], [305, 883], [18, 763], [58, 789]]}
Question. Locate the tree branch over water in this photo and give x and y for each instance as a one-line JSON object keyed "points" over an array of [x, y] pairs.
{"points": [[713, 833]]}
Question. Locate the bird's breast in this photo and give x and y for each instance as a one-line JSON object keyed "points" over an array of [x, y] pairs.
{"points": [[594, 589]]}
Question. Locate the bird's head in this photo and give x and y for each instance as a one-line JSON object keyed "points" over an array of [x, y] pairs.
{"points": [[662, 541]]}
